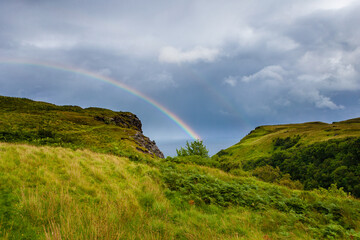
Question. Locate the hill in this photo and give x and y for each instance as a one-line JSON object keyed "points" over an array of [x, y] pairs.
{"points": [[60, 193], [260, 142], [317, 154], [102, 130]]}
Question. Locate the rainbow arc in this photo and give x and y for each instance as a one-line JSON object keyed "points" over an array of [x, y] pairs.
{"points": [[189, 131]]}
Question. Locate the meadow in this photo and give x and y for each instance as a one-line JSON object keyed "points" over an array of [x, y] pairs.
{"points": [[58, 193]]}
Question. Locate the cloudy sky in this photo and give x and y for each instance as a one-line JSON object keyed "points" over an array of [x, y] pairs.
{"points": [[223, 67]]}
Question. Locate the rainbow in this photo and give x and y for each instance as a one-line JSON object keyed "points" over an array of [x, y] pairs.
{"points": [[120, 85]]}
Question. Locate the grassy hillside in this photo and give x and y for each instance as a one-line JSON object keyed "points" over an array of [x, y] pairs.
{"points": [[317, 154], [260, 142], [59, 193], [102, 130]]}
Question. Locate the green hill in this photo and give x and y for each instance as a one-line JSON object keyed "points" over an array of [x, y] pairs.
{"points": [[317, 154], [260, 142], [102, 130]]}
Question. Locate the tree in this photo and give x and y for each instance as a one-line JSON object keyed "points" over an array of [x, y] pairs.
{"points": [[194, 148]]}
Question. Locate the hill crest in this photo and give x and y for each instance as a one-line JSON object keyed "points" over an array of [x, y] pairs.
{"points": [[27, 121]]}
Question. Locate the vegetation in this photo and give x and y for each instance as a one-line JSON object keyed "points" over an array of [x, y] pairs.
{"points": [[271, 174], [285, 143], [311, 155], [262, 141], [58, 193], [195, 148], [65, 185], [320, 164], [40, 123]]}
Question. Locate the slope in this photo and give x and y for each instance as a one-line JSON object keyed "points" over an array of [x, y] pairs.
{"points": [[317, 154], [102, 130], [60, 193], [259, 142]]}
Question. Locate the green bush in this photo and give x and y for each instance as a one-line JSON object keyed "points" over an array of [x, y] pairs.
{"points": [[318, 165], [267, 173], [195, 148], [270, 174], [285, 143], [324, 217]]}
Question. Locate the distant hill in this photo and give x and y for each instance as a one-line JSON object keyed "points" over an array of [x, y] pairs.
{"points": [[318, 154], [26, 121]]}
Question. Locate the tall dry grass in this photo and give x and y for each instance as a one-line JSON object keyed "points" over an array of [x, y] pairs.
{"points": [[56, 193]]}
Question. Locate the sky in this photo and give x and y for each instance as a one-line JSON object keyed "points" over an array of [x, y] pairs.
{"points": [[221, 67]]}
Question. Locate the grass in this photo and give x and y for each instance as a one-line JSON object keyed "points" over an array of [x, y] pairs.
{"points": [[72, 194], [58, 193]]}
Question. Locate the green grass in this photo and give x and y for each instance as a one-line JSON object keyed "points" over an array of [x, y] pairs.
{"points": [[58, 193]]}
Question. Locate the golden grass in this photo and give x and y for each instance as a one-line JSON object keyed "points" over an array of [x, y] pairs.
{"points": [[69, 194]]}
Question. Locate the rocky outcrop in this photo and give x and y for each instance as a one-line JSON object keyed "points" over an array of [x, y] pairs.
{"points": [[122, 120], [129, 120], [147, 144]]}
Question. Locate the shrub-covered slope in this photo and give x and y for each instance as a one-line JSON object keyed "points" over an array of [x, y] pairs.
{"points": [[59, 193], [260, 141], [317, 154], [102, 130]]}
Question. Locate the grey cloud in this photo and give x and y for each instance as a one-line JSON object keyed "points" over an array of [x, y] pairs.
{"points": [[230, 80], [172, 55], [306, 86], [274, 74], [323, 59]]}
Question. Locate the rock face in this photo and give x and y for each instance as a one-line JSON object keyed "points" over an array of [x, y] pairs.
{"points": [[149, 145], [129, 120], [125, 120]]}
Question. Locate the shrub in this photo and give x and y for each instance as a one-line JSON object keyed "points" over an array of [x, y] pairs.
{"points": [[270, 174], [318, 165], [267, 173], [285, 143], [194, 148]]}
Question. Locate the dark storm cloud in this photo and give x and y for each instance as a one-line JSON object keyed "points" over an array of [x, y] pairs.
{"points": [[223, 67], [323, 60]]}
